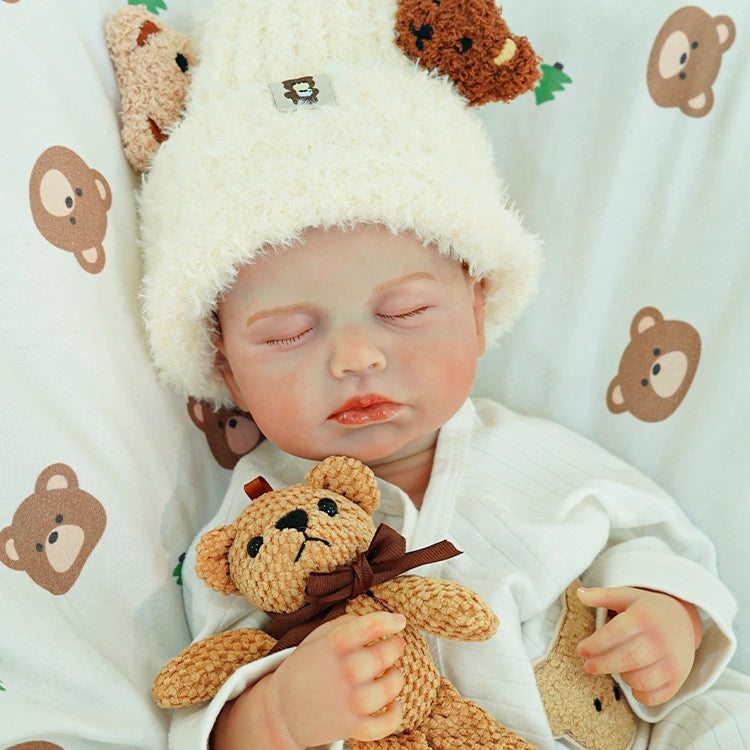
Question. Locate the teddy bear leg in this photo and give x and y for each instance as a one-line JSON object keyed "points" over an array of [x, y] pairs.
{"points": [[412, 740], [456, 723]]}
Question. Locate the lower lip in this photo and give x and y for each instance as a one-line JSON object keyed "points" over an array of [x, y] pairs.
{"points": [[366, 414]]}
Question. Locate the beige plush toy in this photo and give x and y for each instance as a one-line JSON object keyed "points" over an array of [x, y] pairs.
{"points": [[588, 710], [153, 67], [310, 552]]}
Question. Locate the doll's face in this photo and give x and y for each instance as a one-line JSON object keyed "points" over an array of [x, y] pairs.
{"points": [[356, 343]]}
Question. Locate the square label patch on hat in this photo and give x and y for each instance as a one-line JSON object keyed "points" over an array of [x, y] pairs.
{"points": [[302, 92]]}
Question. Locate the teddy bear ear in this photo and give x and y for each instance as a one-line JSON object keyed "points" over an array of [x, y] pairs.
{"points": [[212, 559], [645, 318], [468, 41], [257, 487], [615, 397], [348, 477]]}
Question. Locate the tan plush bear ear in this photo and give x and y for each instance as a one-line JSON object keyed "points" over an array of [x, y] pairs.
{"points": [[469, 41], [153, 68], [212, 559], [348, 477]]}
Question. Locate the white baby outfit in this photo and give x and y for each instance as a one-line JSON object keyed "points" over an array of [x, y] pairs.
{"points": [[532, 506]]}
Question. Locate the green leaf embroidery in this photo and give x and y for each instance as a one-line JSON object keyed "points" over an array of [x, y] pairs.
{"points": [[151, 5], [553, 79]]}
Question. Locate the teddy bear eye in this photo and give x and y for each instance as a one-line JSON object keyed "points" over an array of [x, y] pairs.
{"points": [[328, 506], [254, 545], [182, 62]]}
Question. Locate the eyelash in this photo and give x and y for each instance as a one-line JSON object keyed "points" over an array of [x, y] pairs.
{"points": [[287, 341], [401, 316]]}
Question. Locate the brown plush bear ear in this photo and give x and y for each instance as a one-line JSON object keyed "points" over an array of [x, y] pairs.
{"points": [[257, 487], [469, 41], [212, 559], [348, 477], [153, 68]]}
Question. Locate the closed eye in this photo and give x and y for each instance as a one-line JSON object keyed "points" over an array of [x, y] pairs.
{"points": [[402, 316], [287, 340]]}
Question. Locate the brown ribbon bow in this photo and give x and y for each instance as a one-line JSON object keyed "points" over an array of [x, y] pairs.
{"points": [[327, 593]]}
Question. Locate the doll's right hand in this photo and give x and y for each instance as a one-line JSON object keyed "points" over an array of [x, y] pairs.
{"points": [[334, 682]]}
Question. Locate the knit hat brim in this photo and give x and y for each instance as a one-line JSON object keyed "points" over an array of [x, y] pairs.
{"points": [[389, 144]]}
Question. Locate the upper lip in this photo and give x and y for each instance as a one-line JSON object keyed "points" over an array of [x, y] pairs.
{"points": [[361, 402]]}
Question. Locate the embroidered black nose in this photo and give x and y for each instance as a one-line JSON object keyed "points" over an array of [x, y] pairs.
{"points": [[423, 34], [295, 519]]}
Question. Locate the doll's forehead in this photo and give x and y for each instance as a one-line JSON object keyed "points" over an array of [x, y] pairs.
{"points": [[367, 251]]}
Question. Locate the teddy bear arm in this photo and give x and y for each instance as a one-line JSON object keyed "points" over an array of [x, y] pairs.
{"points": [[198, 671], [443, 608]]}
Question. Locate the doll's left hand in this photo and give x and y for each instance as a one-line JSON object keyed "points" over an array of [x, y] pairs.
{"points": [[650, 642]]}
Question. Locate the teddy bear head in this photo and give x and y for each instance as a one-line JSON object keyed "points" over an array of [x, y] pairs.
{"points": [[656, 368], [268, 553], [686, 57]]}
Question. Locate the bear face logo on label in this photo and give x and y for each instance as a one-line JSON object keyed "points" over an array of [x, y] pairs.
{"points": [[685, 60], [302, 92], [657, 367], [53, 531]]}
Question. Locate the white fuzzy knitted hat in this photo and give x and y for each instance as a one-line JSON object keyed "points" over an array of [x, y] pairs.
{"points": [[309, 113]]}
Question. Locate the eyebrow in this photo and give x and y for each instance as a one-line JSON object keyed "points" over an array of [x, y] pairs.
{"points": [[274, 311], [285, 309], [404, 280]]}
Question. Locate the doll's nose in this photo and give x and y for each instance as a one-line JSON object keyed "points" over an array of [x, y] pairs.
{"points": [[355, 352], [295, 519]]}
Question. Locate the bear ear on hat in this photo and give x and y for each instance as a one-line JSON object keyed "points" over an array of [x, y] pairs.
{"points": [[348, 477], [153, 69], [470, 42], [212, 559]]}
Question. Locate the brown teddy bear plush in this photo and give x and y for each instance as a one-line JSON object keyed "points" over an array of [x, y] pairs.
{"points": [[306, 554], [469, 41]]}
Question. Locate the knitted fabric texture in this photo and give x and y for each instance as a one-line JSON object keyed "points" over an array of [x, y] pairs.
{"points": [[588, 710], [268, 555], [246, 172]]}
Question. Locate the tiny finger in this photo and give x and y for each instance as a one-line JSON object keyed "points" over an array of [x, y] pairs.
{"points": [[635, 654], [614, 635], [617, 599], [370, 728], [365, 664], [328, 627], [376, 695], [655, 678], [361, 631]]}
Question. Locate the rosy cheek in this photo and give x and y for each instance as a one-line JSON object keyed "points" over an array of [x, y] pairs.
{"points": [[276, 399], [445, 371]]}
